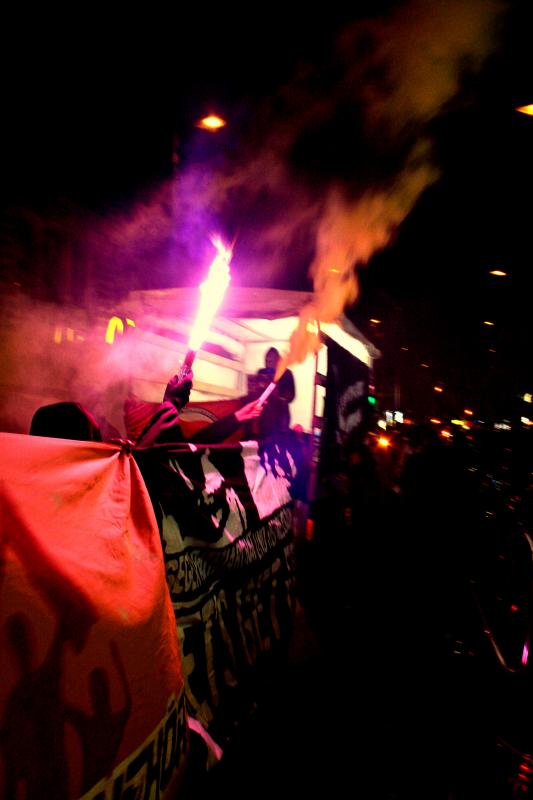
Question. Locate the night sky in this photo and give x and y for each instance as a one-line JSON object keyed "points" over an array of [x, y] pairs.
{"points": [[383, 135]]}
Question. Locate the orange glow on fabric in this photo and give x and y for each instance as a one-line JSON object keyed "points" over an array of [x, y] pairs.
{"points": [[212, 292]]}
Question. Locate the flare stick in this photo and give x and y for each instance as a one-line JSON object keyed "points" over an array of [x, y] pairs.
{"points": [[212, 291], [266, 394]]}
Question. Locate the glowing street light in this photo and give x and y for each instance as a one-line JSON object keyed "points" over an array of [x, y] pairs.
{"points": [[526, 110], [211, 123], [499, 273]]}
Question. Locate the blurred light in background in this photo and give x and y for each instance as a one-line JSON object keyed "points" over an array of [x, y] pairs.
{"points": [[211, 123]]}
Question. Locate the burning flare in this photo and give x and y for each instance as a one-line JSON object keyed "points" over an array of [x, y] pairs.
{"points": [[212, 292], [334, 289], [305, 339]]}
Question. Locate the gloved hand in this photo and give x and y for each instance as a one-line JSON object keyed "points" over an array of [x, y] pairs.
{"points": [[178, 391]]}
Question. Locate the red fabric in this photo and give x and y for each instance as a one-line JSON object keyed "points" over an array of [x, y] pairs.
{"points": [[137, 415], [88, 643], [199, 414], [196, 415]]}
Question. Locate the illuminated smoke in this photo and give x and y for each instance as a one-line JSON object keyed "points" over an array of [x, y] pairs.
{"points": [[327, 170], [399, 73], [52, 353], [330, 167], [325, 174]]}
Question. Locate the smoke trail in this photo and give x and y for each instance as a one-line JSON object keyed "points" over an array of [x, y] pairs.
{"points": [[397, 75], [324, 174], [327, 170]]}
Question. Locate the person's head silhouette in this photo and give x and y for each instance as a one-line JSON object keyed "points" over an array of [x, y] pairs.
{"points": [[272, 358], [65, 421]]}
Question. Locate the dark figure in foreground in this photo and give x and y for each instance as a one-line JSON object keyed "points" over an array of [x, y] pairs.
{"points": [[65, 421]]}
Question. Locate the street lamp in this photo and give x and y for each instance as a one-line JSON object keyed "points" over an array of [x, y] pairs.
{"points": [[526, 110], [211, 123]]}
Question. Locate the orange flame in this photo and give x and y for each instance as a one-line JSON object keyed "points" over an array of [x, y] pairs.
{"points": [[305, 339], [212, 292], [334, 290]]}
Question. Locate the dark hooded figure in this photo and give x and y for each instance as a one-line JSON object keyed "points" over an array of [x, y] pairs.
{"points": [[65, 421], [276, 418]]}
